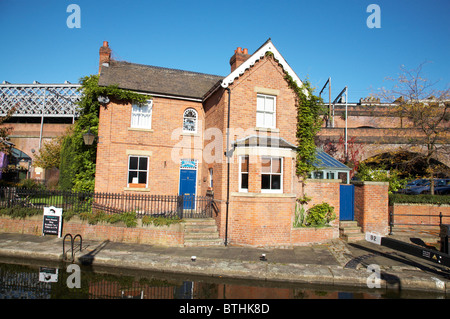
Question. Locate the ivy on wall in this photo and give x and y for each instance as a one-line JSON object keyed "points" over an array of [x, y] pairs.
{"points": [[309, 121], [77, 164]]}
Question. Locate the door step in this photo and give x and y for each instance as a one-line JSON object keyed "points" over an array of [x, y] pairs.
{"points": [[201, 232], [350, 231]]}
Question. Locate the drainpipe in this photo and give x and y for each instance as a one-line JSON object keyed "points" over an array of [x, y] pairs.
{"points": [[227, 155]]}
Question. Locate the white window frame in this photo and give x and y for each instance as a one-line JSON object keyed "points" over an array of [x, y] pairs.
{"points": [[280, 174], [137, 170], [243, 190], [141, 116], [196, 120], [211, 180], [264, 111]]}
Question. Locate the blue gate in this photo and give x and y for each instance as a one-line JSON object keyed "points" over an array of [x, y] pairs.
{"points": [[347, 202], [187, 187]]}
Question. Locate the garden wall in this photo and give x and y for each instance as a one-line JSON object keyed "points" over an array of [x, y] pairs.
{"points": [[431, 212], [172, 235]]}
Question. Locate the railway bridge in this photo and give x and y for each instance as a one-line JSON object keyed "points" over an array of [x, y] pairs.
{"points": [[41, 112]]}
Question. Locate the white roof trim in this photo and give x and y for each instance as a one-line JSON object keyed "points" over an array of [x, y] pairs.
{"points": [[268, 46]]}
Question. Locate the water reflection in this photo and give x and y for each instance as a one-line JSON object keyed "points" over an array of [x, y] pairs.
{"points": [[21, 281]]}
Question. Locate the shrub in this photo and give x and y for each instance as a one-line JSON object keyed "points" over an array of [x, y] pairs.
{"points": [[419, 199], [320, 215], [160, 221]]}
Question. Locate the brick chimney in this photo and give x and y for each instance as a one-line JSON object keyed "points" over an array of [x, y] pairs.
{"points": [[105, 55], [239, 57]]}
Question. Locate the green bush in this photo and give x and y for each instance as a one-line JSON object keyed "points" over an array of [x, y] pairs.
{"points": [[320, 215], [160, 221], [419, 199], [18, 211]]}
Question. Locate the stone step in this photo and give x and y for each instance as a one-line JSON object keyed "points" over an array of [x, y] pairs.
{"points": [[350, 231], [201, 232], [202, 242], [353, 237], [199, 221], [200, 228], [348, 223], [201, 235]]}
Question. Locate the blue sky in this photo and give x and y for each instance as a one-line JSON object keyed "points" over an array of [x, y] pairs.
{"points": [[319, 39]]}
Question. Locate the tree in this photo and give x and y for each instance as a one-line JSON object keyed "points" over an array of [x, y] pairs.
{"points": [[50, 154], [426, 110]]}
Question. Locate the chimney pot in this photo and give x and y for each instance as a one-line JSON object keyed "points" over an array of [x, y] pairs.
{"points": [[105, 55], [238, 58]]}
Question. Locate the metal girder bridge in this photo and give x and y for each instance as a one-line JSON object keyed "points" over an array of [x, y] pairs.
{"points": [[40, 100]]}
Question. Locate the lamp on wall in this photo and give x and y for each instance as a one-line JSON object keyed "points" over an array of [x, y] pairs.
{"points": [[88, 137]]}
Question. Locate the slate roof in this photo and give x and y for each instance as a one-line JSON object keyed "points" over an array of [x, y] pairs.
{"points": [[326, 161], [157, 80]]}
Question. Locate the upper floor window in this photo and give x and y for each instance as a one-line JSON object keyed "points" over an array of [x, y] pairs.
{"points": [[190, 121], [141, 115], [265, 111]]}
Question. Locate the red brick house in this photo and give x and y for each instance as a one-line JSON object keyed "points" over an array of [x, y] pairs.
{"points": [[177, 143]]}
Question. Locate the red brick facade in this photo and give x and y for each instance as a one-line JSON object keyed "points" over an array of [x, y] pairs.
{"points": [[257, 215]]}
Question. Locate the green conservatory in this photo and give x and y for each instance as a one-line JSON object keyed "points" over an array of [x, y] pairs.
{"points": [[328, 167]]}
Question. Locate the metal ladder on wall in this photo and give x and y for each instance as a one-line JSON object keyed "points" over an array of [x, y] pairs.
{"points": [[72, 242]]}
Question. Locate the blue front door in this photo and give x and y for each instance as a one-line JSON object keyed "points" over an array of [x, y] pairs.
{"points": [[187, 187], [346, 202]]}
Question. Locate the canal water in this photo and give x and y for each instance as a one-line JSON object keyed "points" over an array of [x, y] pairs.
{"points": [[30, 279]]}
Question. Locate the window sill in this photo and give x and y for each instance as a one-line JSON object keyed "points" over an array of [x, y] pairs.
{"points": [[140, 129], [263, 194], [267, 129], [190, 134], [136, 189]]}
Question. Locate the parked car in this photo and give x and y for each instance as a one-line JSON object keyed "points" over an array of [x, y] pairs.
{"points": [[425, 188], [415, 183], [442, 187]]}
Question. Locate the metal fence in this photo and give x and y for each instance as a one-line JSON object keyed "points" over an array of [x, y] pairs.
{"points": [[110, 203]]}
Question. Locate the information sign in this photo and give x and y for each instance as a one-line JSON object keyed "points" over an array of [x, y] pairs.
{"points": [[52, 223]]}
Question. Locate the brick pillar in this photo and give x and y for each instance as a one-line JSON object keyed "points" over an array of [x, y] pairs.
{"points": [[372, 206]]}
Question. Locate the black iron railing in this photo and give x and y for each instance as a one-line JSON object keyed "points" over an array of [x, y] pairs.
{"points": [[399, 220], [180, 206]]}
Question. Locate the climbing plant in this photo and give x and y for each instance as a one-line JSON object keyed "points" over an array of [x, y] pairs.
{"points": [[309, 121], [309, 111], [77, 164]]}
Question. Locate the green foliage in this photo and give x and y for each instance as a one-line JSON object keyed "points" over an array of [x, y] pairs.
{"points": [[380, 175], [300, 212], [160, 221], [77, 162], [309, 110], [419, 199], [18, 211], [30, 184], [93, 218], [320, 215]]}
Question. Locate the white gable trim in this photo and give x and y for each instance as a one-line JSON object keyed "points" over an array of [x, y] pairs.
{"points": [[268, 46]]}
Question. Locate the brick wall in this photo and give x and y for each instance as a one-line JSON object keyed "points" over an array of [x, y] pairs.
{"points": [[430, 212], [172, 235], [164, 143], [371, 206]]}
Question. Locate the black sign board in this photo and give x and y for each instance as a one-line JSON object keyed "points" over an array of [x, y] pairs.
{"points": [[52, 223]]}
